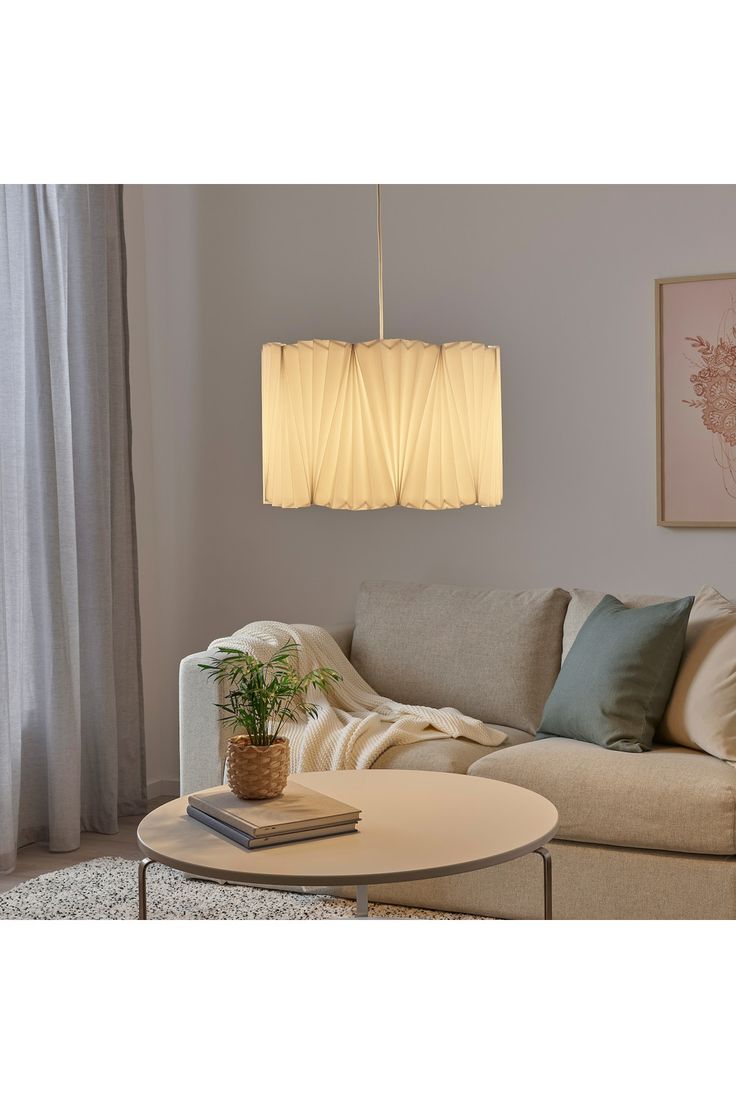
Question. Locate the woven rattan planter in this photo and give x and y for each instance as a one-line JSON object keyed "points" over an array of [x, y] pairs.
{"points": [[257, 771]]}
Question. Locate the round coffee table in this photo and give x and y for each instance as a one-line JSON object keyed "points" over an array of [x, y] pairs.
{"points": [[414, 824]]}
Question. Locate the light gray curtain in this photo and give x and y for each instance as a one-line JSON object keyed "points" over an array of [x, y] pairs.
{"points": [[71, 718]]}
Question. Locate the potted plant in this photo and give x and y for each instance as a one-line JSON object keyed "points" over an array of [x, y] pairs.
{"points": [[258, 698]]}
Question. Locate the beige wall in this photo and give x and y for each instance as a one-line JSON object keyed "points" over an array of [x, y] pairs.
{"points": [[560, 277]]}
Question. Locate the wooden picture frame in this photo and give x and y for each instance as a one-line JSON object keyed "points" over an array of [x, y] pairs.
{"points": [[696, 401]]}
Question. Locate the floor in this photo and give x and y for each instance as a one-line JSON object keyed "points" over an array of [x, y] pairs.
{"points": [[37, 859]]}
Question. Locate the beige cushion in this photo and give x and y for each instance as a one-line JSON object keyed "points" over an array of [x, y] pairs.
{"points": [[670, 799], [583, 602], [702, 708], [451, 756], [492, 654]]}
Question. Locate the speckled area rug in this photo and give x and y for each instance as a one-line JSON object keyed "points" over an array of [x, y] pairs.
{"points": [[107, 889]]}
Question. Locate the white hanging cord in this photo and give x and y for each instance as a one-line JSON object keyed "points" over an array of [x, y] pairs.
{"points": [[380, 262]]}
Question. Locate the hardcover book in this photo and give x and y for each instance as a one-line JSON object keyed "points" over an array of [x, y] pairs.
{"points": [[297, 808], [273, 839]]}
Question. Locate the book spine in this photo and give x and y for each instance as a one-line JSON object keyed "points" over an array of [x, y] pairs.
{"points": [[299, 837], [336, 820], [219, 826]]}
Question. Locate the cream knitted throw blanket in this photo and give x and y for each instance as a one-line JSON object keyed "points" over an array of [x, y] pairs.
{"points": [[354, 725]]}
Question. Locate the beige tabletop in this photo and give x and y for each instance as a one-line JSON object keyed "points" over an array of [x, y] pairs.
{"points": [[415, 824]]}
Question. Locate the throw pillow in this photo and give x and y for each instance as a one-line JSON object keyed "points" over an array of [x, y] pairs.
{"points": [[583, 602], [617, 677], [702, 708]]}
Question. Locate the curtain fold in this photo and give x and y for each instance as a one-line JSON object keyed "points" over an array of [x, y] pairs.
{"points": [[71, 716]]}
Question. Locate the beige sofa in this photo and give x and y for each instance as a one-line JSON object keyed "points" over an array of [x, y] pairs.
{"points": [[640, 836]]}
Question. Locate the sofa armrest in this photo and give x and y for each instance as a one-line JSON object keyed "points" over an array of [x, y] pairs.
{"points": [[201, 733], [202, 736]]}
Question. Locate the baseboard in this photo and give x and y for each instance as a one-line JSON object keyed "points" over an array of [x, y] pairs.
{"points": [[163, 787]]}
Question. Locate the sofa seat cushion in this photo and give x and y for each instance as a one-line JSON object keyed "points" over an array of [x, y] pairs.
{"points": [[669, 799], [492, 654], [450, 756]]}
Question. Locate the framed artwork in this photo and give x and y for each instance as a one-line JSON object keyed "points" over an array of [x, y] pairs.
{"points": [[696, 401]]}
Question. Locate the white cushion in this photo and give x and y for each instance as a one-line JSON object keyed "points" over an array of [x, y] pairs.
{"points": [[702, 708]]}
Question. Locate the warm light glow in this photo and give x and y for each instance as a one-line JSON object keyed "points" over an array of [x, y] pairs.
{"points": [[383, 423]]}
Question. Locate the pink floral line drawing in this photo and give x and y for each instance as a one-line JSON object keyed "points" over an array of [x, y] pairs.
{"points": [[715, 387]]}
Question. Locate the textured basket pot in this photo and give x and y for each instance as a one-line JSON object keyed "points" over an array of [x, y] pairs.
{"points": [[257, 772]]}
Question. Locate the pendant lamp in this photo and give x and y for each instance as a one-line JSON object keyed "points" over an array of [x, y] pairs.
{"points": [[391, 422]]}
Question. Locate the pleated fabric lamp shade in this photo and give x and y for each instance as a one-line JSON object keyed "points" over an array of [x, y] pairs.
{"points": [[382, 423]]}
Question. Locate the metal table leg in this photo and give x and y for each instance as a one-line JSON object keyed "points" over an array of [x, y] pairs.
{"points": [[547, 860], [361, 900], [143, 866]]}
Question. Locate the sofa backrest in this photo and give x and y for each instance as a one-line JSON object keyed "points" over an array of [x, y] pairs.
{"points": [[492, 654]]}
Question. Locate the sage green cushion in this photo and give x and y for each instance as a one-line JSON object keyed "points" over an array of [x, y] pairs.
{"points": [[618, 675]]}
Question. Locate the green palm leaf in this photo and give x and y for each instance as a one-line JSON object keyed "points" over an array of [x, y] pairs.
{"points": [[259, 697]]}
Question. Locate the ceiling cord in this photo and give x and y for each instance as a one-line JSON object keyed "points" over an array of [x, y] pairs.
{"points": [[380, 262]]}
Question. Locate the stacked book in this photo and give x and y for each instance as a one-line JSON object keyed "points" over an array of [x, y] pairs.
{"points": [[298, 814]]}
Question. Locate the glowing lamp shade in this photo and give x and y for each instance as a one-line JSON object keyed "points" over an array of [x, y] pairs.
{"points": [[382, 423]]}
